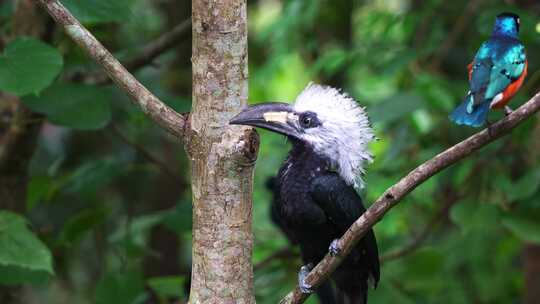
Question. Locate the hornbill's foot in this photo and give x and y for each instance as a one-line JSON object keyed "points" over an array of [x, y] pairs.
{"points": [[334, 249], [302, 274], [507, 110]]}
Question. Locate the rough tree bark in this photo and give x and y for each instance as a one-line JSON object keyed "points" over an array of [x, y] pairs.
{"points": [[222, 156]]}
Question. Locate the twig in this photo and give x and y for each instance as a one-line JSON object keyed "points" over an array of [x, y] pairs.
{"points": [[162, 114], [393, 195], [422, 236], [150, 52], [144, 153]]}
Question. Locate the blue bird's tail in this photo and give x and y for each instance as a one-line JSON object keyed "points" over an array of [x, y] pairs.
{"points": [[474, 119]]}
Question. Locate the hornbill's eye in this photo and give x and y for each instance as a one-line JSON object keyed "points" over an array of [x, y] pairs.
{"points": [[308, 120], [305, 121]]}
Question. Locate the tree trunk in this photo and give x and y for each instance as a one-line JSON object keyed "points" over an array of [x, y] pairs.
{"points": [[222, 156]]}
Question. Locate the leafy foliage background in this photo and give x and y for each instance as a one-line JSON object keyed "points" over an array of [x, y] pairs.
{"points": [[108, 199]]}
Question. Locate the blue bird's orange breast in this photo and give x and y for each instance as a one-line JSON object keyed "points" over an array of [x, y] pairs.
{"points": [[512, 89]]}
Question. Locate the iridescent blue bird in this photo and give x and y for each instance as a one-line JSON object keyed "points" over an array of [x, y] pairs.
{"points": [[496, 73]]}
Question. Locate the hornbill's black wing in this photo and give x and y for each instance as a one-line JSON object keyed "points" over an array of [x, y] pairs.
{"points": [[342, 206], [275, 216]]}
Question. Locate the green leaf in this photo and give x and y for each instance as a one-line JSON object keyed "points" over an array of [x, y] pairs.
{"points": [[23, 257], [78, 225], [120, 288], [76, 106], [98, 11], [525, 228], [28, 66], [168, 287]]}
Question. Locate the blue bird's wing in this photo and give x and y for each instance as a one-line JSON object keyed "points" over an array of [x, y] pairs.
{"points": [[480, 75], [508, 69], [496, 65]]}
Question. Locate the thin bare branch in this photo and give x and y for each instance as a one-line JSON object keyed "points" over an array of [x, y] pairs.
{"points": [[393, 195], [151, 51], [162, 114]]}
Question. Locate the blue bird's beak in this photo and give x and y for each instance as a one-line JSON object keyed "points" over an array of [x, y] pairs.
{"points": [[274, 116]]}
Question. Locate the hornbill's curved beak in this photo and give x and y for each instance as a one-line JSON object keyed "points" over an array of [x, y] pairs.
{"points": [[274, 116]]}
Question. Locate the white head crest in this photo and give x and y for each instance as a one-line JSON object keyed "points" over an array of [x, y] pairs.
{"points": [[344, 132]]}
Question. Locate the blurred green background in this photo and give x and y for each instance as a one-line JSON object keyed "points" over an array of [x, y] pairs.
{"points": [[108, 199]]}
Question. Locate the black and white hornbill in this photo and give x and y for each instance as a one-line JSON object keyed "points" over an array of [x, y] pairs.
{"points": [[315, 192]]}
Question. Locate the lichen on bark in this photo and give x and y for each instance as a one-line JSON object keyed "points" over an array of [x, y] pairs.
{"points": [[222, 156]]}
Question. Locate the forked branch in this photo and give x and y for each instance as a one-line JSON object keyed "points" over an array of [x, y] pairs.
{"points": [[162, 114]]}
